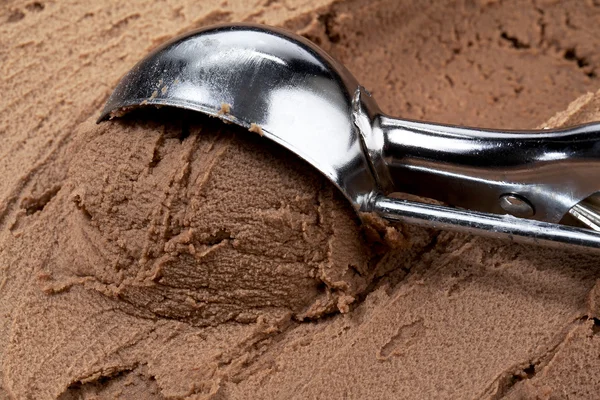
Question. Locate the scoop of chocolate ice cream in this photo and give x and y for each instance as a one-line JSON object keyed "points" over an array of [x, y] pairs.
{"points": [[199, 221]]}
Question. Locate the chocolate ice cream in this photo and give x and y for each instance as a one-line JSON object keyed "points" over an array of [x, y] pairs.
{"points": [[167, 255], [206, 223]]}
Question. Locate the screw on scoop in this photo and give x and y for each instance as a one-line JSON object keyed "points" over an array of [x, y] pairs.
{"points": [[515, 185]]}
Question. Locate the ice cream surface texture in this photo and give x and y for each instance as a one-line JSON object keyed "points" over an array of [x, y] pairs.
{"points": [[168, 255]]}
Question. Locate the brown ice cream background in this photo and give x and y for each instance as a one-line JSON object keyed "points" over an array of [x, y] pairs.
{"points": [[461, 318]]}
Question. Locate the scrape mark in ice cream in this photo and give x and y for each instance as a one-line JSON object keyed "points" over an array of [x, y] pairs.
{"points": [[405, 336]]}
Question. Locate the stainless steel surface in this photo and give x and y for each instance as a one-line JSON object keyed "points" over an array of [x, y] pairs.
{"points": [[472, 168], [587, 215], [299, 96], [303, 99], [485, 224], [516, 206]]}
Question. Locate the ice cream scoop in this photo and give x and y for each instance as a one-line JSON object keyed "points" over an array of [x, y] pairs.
{"points": [[513, 184]]}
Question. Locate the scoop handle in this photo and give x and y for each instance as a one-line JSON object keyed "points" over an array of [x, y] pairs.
{"points": [[504, 227], [538, 174]]}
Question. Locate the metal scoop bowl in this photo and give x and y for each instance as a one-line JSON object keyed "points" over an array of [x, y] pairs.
{"points": [[511, 185]]}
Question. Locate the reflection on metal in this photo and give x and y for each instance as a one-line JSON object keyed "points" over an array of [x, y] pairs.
{"points": [[516, 206], [311, 104], [587, 215], [491, 225]]}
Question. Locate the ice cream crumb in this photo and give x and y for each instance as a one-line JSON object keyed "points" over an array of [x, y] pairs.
{"points": [[152, 96], [344, 302], [164, 89], [256, 129], [225, 109], [122, 111]]}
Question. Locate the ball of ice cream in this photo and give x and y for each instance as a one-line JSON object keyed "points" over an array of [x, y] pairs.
{"points": [[185, 217]]}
